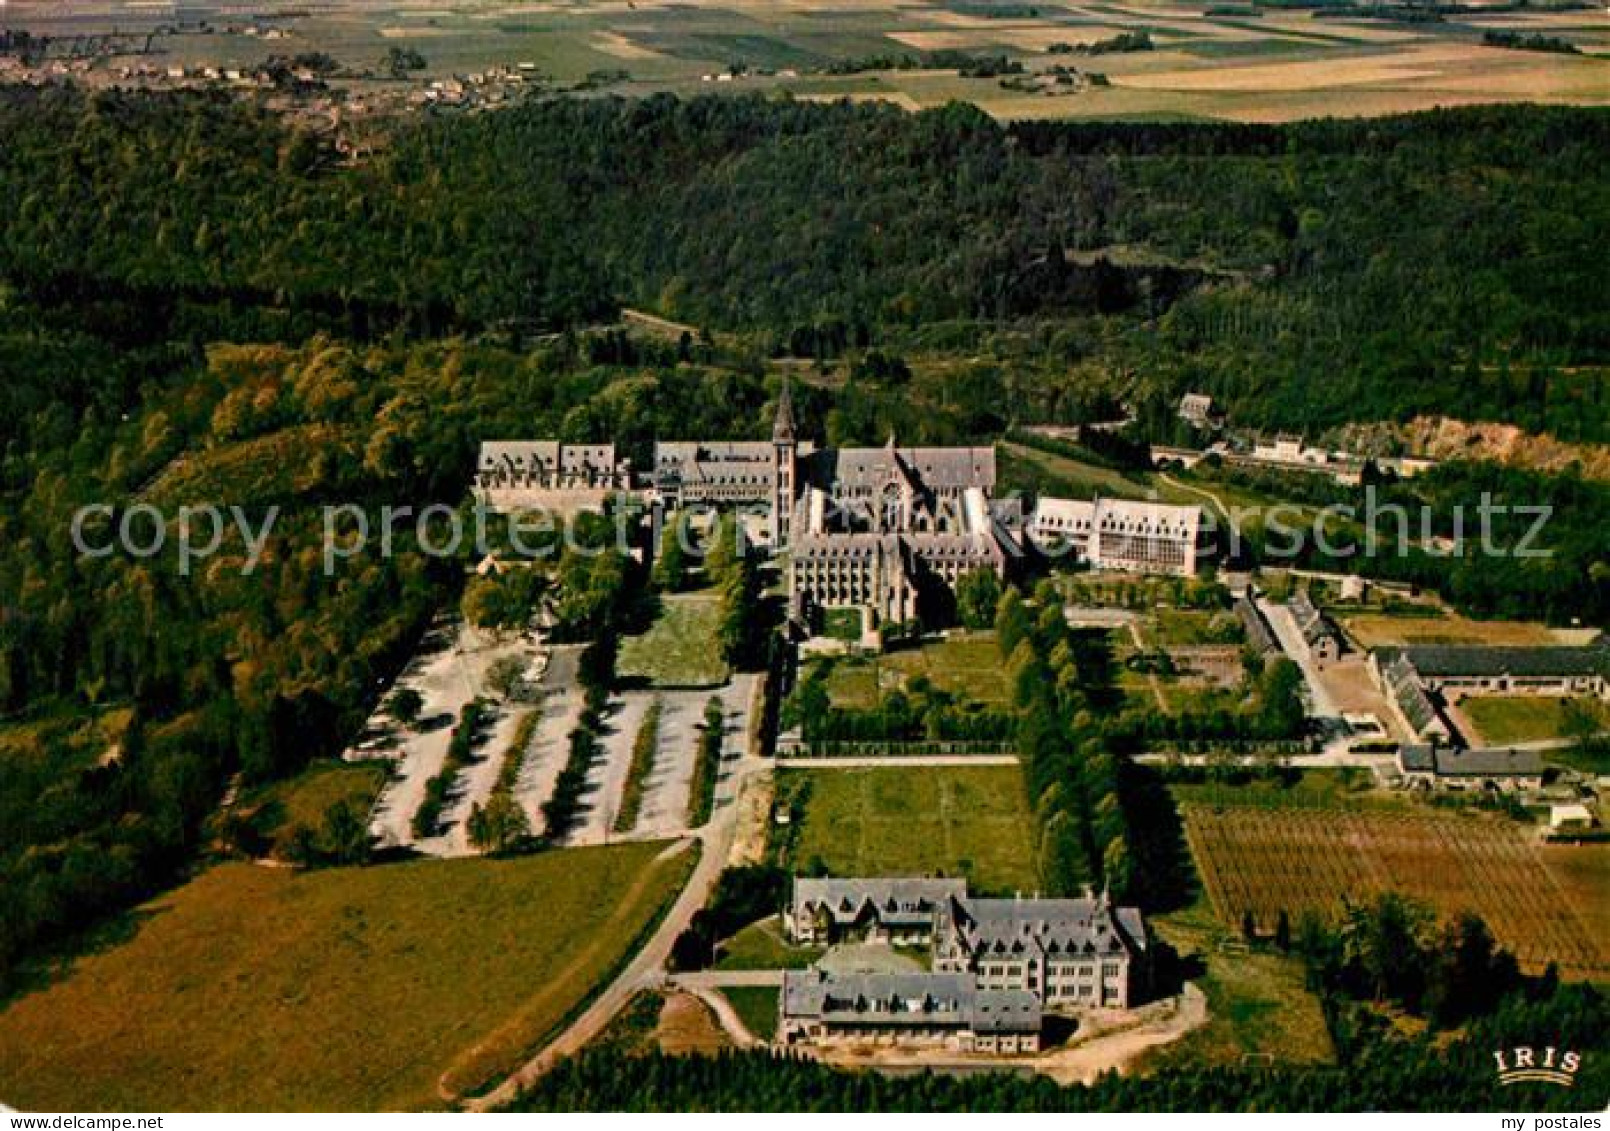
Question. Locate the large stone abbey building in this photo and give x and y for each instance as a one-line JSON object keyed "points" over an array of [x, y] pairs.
{"points": [[869, 528]]}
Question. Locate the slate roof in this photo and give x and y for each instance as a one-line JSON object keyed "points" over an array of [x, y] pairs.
{"points": [[1491, 762], [525, 457], [1051, 927], [1448, 762], [926, 1000], [937, 469], [1259, 633], [1474, 661], [899, 902], [1313, 624]]}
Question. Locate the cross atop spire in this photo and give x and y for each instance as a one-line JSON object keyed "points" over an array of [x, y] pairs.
{"points": [[782, 432]]}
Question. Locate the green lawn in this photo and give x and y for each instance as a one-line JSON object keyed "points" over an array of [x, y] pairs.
{"points": [[756, 1006], [970, 821], [967, 665], [1502, 719], [1186, 628], [1078, 478], [680, 648], [761, 946], [277, 809], [365, 989], [1258, 1006]]}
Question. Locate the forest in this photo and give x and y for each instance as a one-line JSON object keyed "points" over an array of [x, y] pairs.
{"points": [[1306, 275]]}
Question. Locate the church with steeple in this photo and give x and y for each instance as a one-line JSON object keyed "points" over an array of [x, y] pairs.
{"points": [[887, 530], [881, 529]]}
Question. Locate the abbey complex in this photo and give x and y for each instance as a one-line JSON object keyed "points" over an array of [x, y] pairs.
{"points": [[869, 528]]}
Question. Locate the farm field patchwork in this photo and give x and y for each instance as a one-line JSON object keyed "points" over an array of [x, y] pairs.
{"points": [[348, 989], [1274, 66], [1267, 859], [970, 821]]}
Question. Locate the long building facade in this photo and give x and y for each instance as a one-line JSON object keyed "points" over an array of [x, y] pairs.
{"points": [[1070, 953], [881, 529], [945, 1011]]}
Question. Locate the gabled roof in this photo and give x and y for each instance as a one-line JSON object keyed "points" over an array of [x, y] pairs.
{"points": [[927, 1000], [937, 469], [895, 901], [1475, 661], [1024, 926]]}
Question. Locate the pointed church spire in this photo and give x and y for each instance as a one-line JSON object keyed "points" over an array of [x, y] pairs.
{"points": [[782, 432]]}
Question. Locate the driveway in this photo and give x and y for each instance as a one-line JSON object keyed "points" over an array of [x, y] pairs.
{"points": [[1321, 705]]}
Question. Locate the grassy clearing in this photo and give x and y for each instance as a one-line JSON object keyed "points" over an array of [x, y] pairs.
{"points": [[967, 665], [967, 821], [37, 754], [1502, 719], [1373, 630], [354, 989], [680, 648], [1258, 1006], [276, 810], [761, 946], [1076, 477], [756, 1007]]}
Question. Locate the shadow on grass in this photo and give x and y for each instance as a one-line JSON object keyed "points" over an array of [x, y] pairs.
{"points": [[57, 962]]}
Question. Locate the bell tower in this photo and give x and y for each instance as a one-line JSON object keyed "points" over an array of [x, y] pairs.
{"points": [[784, 450]]}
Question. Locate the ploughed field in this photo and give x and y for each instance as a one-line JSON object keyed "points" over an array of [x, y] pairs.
{"points": [[1265, 860]]}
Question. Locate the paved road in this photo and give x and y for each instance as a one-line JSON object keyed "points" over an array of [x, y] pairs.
{"points": [[728, 1018], [1296, 649], [717, 979], [646, 969]]}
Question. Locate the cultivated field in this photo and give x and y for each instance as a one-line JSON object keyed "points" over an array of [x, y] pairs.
{"points": [[365, 989], [1268, 859], [970, 821], [1258, 64], [680, 649]]}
